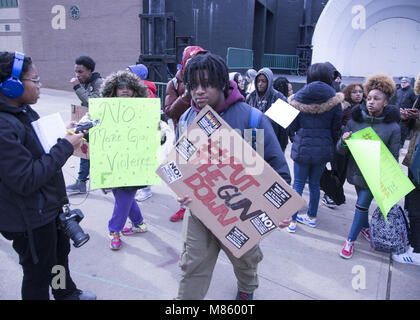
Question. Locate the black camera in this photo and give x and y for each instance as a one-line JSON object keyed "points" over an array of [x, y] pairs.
{"points": [[86, 125], [69, 223]]}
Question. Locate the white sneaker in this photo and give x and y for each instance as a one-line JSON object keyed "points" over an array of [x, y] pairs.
{"points": [[144, 194], [408, 257], [292, 227], [305, 219]]}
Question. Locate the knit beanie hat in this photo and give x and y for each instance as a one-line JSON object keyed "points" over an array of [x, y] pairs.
{"points": [[140, 70]]}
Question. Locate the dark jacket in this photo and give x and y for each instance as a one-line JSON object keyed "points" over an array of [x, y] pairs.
{"points": [[263, 104], [28, 176], [405, 97], [236, 113], [316, 129], [386, 127], [90, 89]]}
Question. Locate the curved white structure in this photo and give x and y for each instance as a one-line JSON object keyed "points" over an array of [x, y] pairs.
{"points": [[369, 36]]}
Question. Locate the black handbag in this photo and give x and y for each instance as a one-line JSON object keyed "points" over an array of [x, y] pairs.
{"points": [[332, 187]]}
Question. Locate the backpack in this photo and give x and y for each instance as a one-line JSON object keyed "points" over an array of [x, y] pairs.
{"points": [[391, 236], [332, 186]]}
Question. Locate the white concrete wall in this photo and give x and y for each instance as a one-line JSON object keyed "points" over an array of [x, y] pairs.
{"points": [[369, 36]]}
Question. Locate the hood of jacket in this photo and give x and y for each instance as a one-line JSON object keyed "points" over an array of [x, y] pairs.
{"points": [[316, 97], [94, 76], [270, 79], [234, 95], [188, 53], [111, 82], [5, 107], [390, 114]]}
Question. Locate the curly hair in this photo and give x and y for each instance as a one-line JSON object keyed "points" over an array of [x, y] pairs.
{"points": [[6, 64], [417, 85], [381, 82], [349, 88], [109, 86]]}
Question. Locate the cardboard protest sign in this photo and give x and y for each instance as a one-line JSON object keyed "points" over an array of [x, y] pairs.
{"points": [[282, 113], [77, 112], [125, 145], [235, 193], [382, 173]]}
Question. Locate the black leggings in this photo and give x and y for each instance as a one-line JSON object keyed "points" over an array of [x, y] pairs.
{"points": [[52, 247]]}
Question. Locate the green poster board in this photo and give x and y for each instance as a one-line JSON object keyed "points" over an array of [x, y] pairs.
{"points": [[125, 145], [384, 176]]}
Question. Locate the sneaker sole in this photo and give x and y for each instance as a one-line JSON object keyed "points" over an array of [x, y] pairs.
{"points": [[345, 257], [142, 199], [306, 223]]}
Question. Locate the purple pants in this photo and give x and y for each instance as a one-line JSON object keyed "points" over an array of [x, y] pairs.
{"points": [[125, 207]]}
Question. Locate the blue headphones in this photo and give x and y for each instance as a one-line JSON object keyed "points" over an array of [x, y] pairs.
{"points": [[12, 87]]}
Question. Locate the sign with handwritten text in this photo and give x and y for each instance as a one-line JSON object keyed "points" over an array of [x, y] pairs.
{"points": [[384, 176], [125, 145]]}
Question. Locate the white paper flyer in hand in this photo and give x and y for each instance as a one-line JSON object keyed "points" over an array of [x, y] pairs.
{"points": [[48, 129], [282, 113]]}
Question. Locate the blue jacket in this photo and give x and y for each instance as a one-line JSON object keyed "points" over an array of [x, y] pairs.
{"points": [[316, 129], [28, 174], [236, 114]]}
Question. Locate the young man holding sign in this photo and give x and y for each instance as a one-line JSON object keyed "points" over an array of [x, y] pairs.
{"points": [[383, 119], [206, 77]]}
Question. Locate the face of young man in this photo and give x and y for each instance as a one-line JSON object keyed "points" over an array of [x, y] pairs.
{"points": [[204, 94], [262, 84], [82, 73]]}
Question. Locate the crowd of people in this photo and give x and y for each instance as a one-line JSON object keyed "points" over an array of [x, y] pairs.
{"points": [[32, 183]]}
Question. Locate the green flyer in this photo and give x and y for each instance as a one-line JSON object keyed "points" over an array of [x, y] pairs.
{"points": [[125, 145], [384, 176]]}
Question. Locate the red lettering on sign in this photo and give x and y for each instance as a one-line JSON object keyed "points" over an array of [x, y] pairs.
{"points": [[210, 176], [197, 183], [238, 168]]}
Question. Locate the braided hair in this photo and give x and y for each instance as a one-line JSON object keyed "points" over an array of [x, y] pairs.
{"points": [[217, 73], [6, 65]]}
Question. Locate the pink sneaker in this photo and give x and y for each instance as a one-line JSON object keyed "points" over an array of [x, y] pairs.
{"points": [[132, 229], [115, 243], [179, 215], [347, 251], [366, 233]]}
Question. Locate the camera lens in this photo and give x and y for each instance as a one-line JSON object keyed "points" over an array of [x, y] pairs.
{"points": [[75, 233]]}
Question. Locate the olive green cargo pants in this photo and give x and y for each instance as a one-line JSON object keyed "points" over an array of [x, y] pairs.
{"points": [[198, 259]]}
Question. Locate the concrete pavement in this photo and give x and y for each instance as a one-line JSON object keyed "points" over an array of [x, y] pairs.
{"points": [[305, 265]]}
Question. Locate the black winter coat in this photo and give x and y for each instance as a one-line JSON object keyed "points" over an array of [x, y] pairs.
{"points": [[29, 178], [386, 127]]}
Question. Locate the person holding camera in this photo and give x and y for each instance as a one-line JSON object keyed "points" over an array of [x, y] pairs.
{"points": [[32, 188]]}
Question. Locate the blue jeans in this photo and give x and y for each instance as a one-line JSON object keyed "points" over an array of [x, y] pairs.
{"points": [[84, 169], [313, 172], [361, 214]]}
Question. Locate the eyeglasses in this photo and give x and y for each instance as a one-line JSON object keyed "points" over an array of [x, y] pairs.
{"points": [[36, 81]]}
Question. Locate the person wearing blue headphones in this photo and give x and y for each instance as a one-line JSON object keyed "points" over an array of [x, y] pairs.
{"points": [[32, 188]]}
